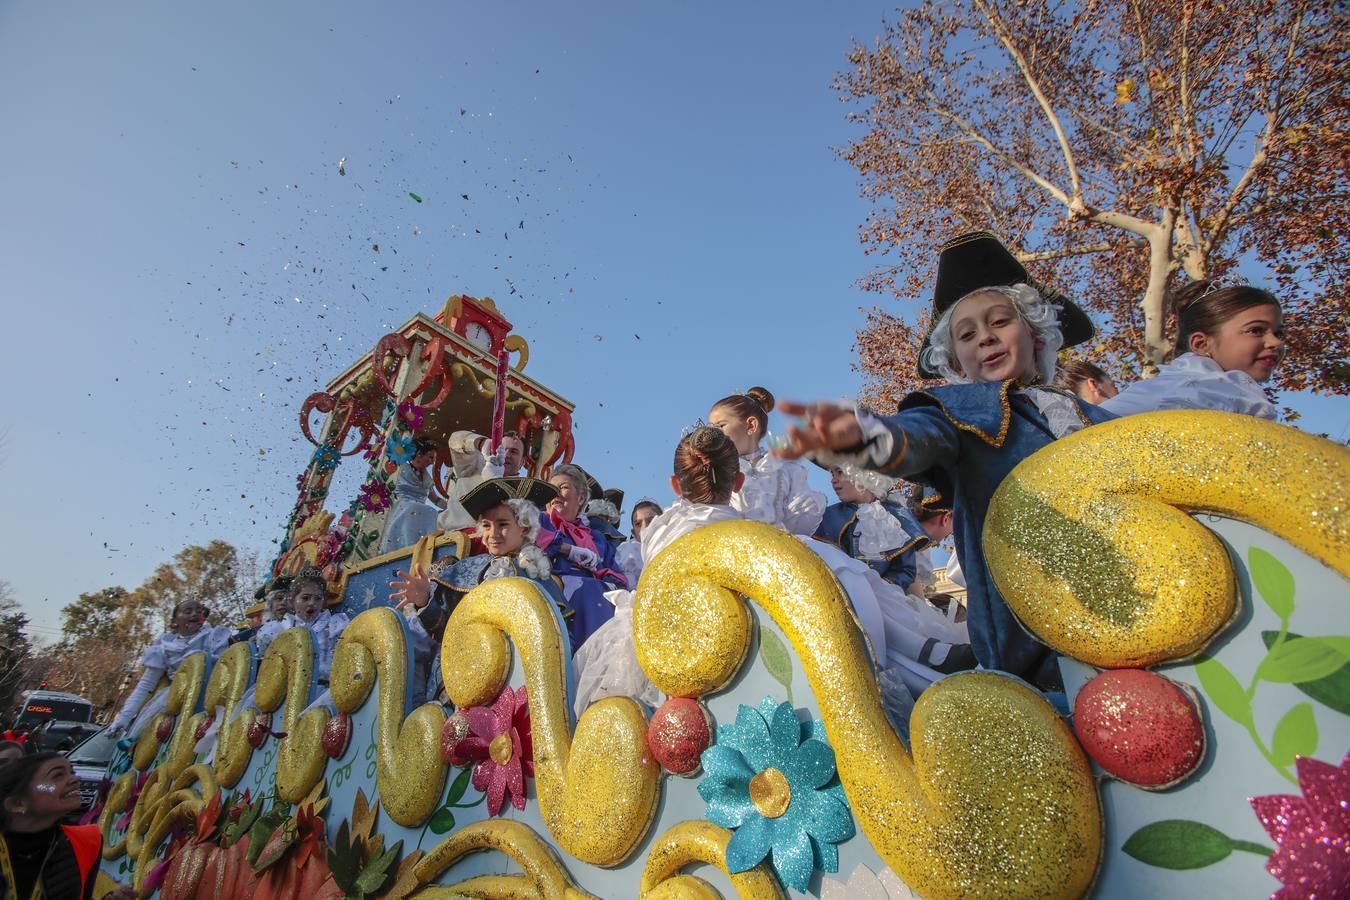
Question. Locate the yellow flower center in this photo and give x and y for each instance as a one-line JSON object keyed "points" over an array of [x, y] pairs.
{"points": [[500, 749], [770, 793]]}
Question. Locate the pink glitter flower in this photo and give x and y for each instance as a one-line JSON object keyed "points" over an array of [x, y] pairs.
{"points": [[499, 738], [374, 496], [410, 414], [1312, 832]]}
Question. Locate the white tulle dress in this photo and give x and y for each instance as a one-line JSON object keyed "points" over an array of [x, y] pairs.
{"points": [[776, 491], [1194, 382], [162, 659]]}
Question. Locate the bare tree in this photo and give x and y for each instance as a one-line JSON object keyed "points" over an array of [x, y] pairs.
{"points": [[1115, 144]]}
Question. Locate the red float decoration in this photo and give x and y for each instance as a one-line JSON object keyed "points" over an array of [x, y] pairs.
{"points": [[1140, 727], [679, 732], [164, 730], [337, 735], [258, 730], [453, 733], [204, 727]]}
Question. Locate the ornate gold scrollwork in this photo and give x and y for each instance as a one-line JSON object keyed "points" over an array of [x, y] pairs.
{"points": [[286, 674], [408, 766], [997, 798], [597, 789]]}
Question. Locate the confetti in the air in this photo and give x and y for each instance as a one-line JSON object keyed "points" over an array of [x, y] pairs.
{"points": [[342, 166], [414, 196]]}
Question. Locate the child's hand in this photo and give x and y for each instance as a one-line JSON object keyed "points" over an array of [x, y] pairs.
{"points": [[825, 427], [413, 590]]}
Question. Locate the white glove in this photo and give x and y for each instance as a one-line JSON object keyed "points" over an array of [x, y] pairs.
{"points": [[587, 559], [117, 729], [494, 465]]}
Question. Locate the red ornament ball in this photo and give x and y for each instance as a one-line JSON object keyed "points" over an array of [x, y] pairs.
{"points": [[258, 730], [455, 730], [164, 730], [1140, 727], [203, 727], [337, 735], [678, 734]]}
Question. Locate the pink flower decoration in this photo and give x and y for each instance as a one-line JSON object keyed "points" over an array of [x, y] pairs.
{"points": [[374, 496], [410, 414], [1312, 832], [499, 738]]}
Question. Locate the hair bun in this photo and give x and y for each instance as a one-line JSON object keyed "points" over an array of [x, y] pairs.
{"points": [[762, 397]]}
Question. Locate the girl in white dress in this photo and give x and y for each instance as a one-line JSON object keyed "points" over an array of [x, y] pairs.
{"points": [[188, 632], [1230, 338], [775, 489], [414, 514], [309, 594], [706, 478], [629, 553]]}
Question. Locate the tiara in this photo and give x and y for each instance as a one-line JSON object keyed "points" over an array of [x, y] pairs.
{"points": [[690, 429], [1217, 284]]}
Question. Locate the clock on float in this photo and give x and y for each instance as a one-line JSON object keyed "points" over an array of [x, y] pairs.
{"points": [[478, 335]]}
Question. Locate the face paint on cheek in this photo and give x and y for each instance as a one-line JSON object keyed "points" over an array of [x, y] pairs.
{"points": [[45, 788]]}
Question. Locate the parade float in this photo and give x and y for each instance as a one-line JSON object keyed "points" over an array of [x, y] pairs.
{"points": [[1190, 566]]}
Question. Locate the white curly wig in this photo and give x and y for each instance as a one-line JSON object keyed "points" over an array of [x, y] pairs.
{"points": [[1040, 314], [534, 563]]}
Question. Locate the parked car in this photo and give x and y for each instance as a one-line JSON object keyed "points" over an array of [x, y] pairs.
{"points": [[90, 762], [55, 734], [37, 707]]}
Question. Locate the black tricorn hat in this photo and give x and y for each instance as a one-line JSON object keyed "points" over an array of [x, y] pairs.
{"points": [[596, 492], [615, 496], [496, 491], [978, 259]]}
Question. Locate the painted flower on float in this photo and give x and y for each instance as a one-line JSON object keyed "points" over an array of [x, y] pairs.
{"points": [[772, 780], [374, 496], [499, 739], [326, 457], [1311, 832], [410, 415], [399, 448]]}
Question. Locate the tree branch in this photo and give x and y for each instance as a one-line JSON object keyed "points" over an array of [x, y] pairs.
{"points": [[1220, 225], [1082, 250], [983, 141], [1005, 38]]}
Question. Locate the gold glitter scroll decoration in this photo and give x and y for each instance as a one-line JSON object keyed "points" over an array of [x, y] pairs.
{"points": [[228, 683], [699, 841], [286, 674], [408, 767], [180, 804], [998, 799], [597, 789], [113, 807], [184, 692], [543, 875], [1090, 542]]}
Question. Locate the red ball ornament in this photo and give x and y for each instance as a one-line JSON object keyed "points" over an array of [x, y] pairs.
{"points": [[1140, 727], [164, 730], [258, 730], [678, 734], [337, 735], [203, 727], [455, 730]]}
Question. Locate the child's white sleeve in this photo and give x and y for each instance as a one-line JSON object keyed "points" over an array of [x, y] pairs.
{"points": [[805, 507], [139, 694]]}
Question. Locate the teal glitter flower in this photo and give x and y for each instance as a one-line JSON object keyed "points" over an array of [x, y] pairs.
{"points": [[772, 780], [326, 457], [399, 448]]}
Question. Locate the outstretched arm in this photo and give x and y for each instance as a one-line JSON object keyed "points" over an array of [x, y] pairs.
{"points": [[902, 445]]}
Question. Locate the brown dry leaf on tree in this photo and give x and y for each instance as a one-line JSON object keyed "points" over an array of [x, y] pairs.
{"points": [[1118, 147]]}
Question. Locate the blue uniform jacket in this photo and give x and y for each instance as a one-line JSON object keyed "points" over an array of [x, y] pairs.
{"points": [[896, 565], [963, 439]]}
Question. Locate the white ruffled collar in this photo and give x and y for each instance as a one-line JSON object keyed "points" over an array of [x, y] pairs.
{"points": [[680, 518], [879, 531]]}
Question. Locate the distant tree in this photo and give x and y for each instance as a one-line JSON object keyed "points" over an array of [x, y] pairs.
{"points": [[96, 668], [100, 614], [1115, 145], [16, 650]]}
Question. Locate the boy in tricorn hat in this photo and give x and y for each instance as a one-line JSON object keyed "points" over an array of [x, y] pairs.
{"points": [[995, 337]]}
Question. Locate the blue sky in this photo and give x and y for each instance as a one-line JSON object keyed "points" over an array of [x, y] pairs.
{"points": [[184, 265]]}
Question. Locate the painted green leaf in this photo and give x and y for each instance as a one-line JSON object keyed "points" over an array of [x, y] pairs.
{"points": [[459, 786], [442, 821], [776, 659], [1273, 581], [342, 860], [1223, 690], [1295, 662], [1332, 691], [1295, 735], [377, 871], [1178, 844]]}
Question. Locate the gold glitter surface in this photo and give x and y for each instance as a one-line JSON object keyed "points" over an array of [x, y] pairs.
{"points": [[597, 789], [151, 791], [999, 799], [285, 675], [518, 841], [185, 811], [113, 807], [770, 792], [409, 771], [147, 745], [699, 841], [684, 887], [1090, 542], [229, 683], [184, 692]]}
